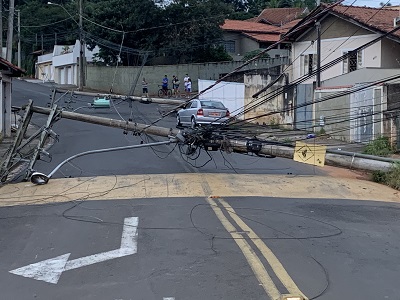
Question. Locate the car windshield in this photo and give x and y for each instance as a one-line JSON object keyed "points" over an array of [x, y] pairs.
{"points": [[212, 104]]}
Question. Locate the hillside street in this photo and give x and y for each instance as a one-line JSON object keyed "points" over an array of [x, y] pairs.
{"points": [[146, 224]]}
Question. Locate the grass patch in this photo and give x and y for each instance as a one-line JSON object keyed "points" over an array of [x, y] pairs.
{"points": [[390, 178], [379, 147]]}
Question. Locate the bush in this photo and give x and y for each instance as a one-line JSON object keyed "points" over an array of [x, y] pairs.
{"points": [[251, 54], [380, 147], [390, 178]]}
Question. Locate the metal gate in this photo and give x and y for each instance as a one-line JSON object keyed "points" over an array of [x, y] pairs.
{"points": [[362, 115], [304, 115]]}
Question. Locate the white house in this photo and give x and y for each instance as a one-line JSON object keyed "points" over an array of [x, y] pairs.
{"points": [[62, 66], [361, 115], [345, 28]]}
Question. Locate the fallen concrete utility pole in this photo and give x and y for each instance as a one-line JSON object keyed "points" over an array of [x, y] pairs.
{"points": [[332, 159], [124, 97], [239, 146], [128, 126]]}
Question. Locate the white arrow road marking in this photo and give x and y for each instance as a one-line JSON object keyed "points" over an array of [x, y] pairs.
{"points": [[50, 270]]}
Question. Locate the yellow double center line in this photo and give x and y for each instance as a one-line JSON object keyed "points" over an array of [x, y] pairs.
{"points": [[251, 257]]}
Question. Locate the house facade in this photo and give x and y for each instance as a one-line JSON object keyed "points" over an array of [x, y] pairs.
{"points": [[62, 66], [335, 42], [341, 106], [7, 72]]}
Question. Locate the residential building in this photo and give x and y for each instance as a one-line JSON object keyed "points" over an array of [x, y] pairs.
{"points": [[62, 65], [343, 29], [361, 115], [243, 37], [7, 72]]}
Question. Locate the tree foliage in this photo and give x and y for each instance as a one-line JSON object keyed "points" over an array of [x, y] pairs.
{"points": [[198, 32], [173, 31]]}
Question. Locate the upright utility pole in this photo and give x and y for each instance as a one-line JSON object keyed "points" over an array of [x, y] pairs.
{"points": [[10, 31], [19, 38], [318, 79], [1, 30], [81, 69]]}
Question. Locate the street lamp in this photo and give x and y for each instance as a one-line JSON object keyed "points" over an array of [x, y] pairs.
{"points": [[40, 178], [80, 24]]}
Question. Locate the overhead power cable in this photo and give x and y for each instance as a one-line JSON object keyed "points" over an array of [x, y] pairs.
{"points": [[329, 97], [238, 68], [325, 67], [45, 25]]}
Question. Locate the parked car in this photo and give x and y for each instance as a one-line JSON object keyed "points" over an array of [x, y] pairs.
{"points": [[202, 112]]}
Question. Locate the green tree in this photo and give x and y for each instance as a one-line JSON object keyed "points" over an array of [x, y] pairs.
{"points": [[285, 3], [198, 35], [130, 23], [255, 7], [41, 25]]}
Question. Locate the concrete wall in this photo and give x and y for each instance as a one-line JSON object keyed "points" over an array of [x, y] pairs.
{"points": [[237, 97], [257, 108], [102, 78], [335, 113]]}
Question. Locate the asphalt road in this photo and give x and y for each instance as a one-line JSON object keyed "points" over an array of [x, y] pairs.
{"points": [[344, 249], [186, 246], [76, 137]]}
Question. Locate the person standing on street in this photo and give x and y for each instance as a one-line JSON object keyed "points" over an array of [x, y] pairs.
{"points": [[175, 85], [145, 88], [188, 87], [165, 84], [186, 77]]}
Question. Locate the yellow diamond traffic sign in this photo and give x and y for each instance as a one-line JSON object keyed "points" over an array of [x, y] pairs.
{"points": [[310, 154]]}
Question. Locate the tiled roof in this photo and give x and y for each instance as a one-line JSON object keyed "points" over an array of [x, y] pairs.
{"points": [[6, 65], [264, 37], [279, 16], [285, 28], [245, 26], [375, 18]]}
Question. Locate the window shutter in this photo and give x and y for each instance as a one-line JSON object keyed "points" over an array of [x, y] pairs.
{"points": [[314, 61], [305, 66], [359, 59], [345, 64]]}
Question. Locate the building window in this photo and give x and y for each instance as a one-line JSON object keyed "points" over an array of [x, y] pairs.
{"points": [[229, 46], [308, 64], [353, 62]]}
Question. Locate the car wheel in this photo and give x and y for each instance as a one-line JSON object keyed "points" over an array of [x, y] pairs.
{"points": [[193, 123], [178, 121]]}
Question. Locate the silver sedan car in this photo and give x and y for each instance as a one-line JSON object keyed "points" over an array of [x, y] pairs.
{"points": [[202, 112]]}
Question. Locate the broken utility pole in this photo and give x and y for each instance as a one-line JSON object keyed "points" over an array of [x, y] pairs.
{"points": [[239, 146]]}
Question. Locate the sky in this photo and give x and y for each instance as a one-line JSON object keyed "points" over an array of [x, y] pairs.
{"points": [[370, 3]]}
